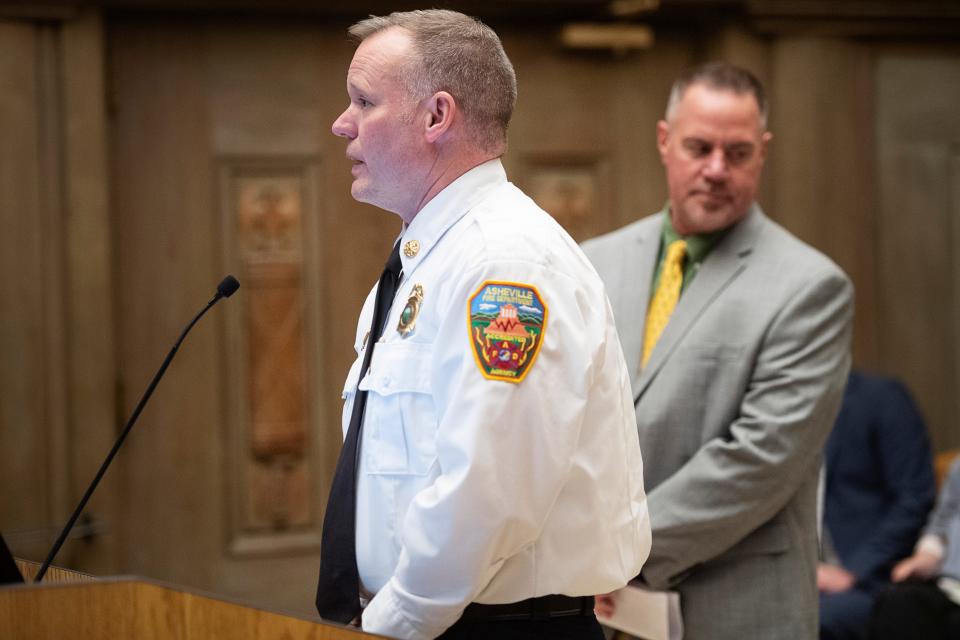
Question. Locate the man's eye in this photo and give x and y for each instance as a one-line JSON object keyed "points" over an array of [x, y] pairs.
{"points": [[363, 102], [739, 155], [698, 149]]}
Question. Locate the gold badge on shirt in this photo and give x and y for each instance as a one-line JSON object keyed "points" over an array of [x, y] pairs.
{"points": [[408, 317]]}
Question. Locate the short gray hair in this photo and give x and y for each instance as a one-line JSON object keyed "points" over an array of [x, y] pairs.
{"points": [[462, 56], [719, 75]]}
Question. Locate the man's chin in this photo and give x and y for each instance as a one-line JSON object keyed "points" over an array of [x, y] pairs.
{"points": [[359, 191], [718, 208], [366, 196], [705, 220]]}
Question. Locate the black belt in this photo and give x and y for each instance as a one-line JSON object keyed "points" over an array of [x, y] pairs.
{"points": [[541, 608]]}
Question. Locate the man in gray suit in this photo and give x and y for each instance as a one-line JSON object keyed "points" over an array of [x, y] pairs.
{"points": [[738, 341]]}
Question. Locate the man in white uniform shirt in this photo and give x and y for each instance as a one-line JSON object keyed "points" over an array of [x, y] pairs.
{"points": [[491, 465]]}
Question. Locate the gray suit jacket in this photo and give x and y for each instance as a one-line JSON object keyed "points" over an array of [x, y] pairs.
{"points": [[734, 408]]}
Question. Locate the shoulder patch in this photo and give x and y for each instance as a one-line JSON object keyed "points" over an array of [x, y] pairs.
{"points": [[507, 322]]}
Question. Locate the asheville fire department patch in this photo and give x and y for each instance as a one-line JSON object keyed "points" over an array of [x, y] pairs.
{"points": [[507, 321]]}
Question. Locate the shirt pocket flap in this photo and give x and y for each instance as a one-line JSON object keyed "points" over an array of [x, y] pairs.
{"points": [[400, 425], [399, 367]]}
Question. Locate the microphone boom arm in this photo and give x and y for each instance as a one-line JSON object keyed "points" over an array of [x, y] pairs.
{"points": [[225, 289]]}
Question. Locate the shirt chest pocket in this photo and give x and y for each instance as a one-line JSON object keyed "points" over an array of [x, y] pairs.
{"points": [[400, 428]]}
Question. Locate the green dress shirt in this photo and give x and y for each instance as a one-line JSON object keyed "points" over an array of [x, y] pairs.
{"points": [[698, 247]]}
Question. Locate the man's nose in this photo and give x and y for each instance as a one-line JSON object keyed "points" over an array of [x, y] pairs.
{"points": [[344, 126], [716, 166]]}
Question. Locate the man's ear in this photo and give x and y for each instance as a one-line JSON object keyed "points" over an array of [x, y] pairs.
{"points": [[765, 139], [663, 134], [442, 110]]}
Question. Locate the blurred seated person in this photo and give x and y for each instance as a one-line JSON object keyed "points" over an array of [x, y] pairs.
{"points": [[879, 490], [924, 601]]}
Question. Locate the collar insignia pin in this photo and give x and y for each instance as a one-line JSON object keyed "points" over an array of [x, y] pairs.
{"points": [[411, 248]]}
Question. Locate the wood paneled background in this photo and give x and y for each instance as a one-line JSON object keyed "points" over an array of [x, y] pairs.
{"points": [[145, 154]]}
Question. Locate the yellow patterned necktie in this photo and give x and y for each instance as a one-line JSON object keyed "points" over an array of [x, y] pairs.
{"points": [[665, 298]]}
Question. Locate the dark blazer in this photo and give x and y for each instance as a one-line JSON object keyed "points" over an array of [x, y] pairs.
{"points": [[880, 484]]}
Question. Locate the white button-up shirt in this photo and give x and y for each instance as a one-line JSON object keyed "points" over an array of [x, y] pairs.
{"points": [[472, 489]]}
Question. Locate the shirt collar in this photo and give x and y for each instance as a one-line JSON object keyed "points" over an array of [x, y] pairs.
{"points": [[445, 209], [698, 244]]}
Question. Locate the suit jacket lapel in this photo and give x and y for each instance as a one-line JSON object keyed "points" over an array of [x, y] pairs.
{"points": [[634, 294], [721, 267]]}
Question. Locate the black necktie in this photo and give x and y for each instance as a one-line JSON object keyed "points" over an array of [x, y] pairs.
{"points": [[338, 589]]}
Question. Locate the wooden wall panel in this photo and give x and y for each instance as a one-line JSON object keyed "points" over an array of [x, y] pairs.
{"points": [[168, 263], [31, 410], [270, 214], [57, 372], [822, 164], [88, 282], [918, 133]]}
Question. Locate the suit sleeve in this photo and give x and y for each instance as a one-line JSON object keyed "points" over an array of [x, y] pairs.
{"points": [[735, 484], [904, 459]]}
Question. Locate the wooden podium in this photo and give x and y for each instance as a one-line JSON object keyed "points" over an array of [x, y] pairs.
{"points": [[84, 608]]}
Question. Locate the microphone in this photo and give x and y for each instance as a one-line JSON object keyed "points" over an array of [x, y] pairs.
{"points": [[227, 287]]}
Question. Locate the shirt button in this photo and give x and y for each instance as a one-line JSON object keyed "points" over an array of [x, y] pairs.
{"points": [[386, 382]]}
